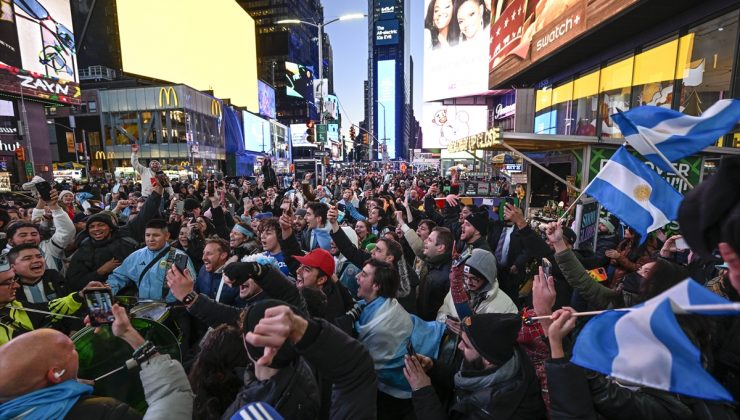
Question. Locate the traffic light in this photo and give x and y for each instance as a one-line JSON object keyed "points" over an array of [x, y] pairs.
{"points": [[20, 153], [352, 133], [310, 131], [365, 139]]}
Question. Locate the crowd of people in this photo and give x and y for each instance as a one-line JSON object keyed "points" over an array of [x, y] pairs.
{"points": [[361, 295]]}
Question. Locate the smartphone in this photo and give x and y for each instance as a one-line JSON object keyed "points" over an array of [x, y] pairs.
{"points": [[116, 189], [341, 207], [681, 244], [44, 190], [99, 303], [410, 349], [211, 188], [181, 262], [180, 208], [546, 268], [514, 201], [153, 181]]}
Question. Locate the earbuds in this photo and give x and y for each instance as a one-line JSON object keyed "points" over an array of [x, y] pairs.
{"points": [[60, 373]]}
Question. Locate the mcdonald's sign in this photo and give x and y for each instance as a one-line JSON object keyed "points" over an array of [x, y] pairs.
{"points": [[100, 155], [215, 108], [168, 96]]}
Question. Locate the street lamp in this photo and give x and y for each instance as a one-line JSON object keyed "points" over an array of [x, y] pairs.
{"points": [[320, 26]]}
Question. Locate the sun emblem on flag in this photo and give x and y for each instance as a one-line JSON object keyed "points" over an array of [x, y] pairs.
{"points": [[642, 192]]}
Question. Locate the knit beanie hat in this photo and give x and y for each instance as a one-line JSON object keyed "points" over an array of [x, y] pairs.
{"points": [[479, 220], [103, 217], [254, 314], [493, 335], [482, 263], [191, 204]]}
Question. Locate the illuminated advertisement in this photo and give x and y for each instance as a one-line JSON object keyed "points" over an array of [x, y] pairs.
{"points": [[266, 96], [386, 32], [444, 124], [386, 111], [527, 30], [456, 37], [299, 81], [193, 45], [387, 8], [298, 136], [15, 80], [256, 133], [331, 107], [332, 133]]}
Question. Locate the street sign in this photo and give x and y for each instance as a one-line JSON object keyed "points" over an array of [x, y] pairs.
{"points": [[321, 130], [319, 153]]}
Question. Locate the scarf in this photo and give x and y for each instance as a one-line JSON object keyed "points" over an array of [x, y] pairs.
{"points": [[474, 381], [53, 402], [428, 262]]}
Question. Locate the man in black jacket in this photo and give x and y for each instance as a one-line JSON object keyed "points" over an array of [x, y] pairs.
{"points": [[435, 273], [511, 256], [496, 379]]}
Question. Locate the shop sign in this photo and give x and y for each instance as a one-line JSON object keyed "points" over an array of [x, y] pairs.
{"points": [[518, 179], [689, 167], [9, 147], [503, 111], [513, 167], [476, 141], [168, 97]]}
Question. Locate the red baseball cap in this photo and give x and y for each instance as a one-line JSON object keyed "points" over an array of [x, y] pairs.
{"points": [[318, 258]]}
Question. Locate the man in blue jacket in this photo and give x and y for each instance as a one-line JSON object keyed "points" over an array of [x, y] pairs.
{"points": [[215, 255]]}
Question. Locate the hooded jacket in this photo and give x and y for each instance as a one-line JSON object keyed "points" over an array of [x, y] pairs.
{"points": [[92, 254]]}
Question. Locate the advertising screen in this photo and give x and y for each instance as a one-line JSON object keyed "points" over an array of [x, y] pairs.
{"points": [[386, 111], [456, 36], [446, 123], [184, 41], [266, 96], [299, 81], [331, 106], [386, 32], [298, 136], [387, 8], [256, 133], [37, 50], [332, 133], [526, 30]]}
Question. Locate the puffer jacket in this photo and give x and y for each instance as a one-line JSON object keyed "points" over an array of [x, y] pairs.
{"points": [[293, 392], [92, 254], [495, 301]]}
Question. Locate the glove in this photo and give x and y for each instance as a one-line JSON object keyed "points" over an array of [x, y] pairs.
{"points": [[240, 272], [356, 311]]}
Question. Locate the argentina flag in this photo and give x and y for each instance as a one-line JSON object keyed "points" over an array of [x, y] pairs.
{"points": [[673, 133], [646, 346], [635, 193]]}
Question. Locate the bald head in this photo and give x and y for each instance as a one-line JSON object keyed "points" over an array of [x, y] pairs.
{"points": [[35, 360]]}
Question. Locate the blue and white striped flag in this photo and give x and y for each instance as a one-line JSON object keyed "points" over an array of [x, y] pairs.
{"points": [[646, 346], [635, 193], [673, 133]]}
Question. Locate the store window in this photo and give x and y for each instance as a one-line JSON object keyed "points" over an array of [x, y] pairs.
{"points": [[585, 104], [562, 109], [711, 49], [615, 87], [544, 120], [654, 72]]}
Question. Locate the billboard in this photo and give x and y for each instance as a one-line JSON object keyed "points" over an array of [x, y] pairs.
{"points": [[331, 106], [386, 32], [527, 30], [443, 124], [37, 50], [256, 133], [332, 133], [456, 37], [386, 111], [266, 95], [298, 136], [181, 41], [299, 81], [387, 8]]}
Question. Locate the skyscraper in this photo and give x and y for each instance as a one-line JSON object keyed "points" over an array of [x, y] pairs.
{"points": [[293, 43], [389, 76]]}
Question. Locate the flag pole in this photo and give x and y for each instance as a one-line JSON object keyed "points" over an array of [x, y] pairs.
{"points": [[720, 307], [664, 158]]}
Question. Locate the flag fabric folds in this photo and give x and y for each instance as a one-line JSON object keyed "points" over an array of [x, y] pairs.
{"points": [[635, 193], [673, 133], [646, 345]]}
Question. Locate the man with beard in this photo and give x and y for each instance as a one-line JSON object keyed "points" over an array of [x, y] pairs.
{"points": [[299, 225], [100, 253], [495, 380], [147, 173], [315, 271]]}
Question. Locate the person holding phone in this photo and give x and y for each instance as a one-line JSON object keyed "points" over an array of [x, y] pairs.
{"points": [[148, 174]]}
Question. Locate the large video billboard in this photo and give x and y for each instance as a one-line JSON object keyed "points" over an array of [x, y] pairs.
{"points": [[456, 37], [299, 81], [386, 110], [205, 45], [256, 133], [443, 124], [298, 136], [37, 50], [527, 30], [266, 99]]}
